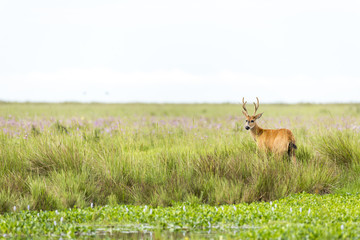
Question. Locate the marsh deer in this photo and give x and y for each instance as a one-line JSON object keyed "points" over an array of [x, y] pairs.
{"points": [[277, 141]]}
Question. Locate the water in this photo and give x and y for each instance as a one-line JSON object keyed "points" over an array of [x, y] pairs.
{"points": [[147, 235], [146, 232]]}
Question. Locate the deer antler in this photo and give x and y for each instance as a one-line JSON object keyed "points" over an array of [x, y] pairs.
{"points": [[244, 103], [256, 105]]}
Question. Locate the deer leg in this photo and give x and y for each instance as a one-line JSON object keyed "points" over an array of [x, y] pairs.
{"points": [[291, 152], [293, 156]]}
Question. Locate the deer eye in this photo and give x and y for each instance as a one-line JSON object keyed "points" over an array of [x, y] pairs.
{"points": [[246, 120], [252, 120]]}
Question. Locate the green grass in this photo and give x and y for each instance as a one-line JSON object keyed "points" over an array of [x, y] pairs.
{"points": [[56, 161], [61, 156], [64, 110]]}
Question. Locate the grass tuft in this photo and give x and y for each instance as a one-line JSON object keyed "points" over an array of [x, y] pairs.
{"points": [[340, 147]]}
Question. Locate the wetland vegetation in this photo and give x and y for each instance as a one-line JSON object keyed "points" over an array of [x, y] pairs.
{"points": [[193, 166]]}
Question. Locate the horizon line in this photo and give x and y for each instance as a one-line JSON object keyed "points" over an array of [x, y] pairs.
{"points": [[172, 103]]}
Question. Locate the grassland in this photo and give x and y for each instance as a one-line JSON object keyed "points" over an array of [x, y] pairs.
{"points": [[61, 156]]}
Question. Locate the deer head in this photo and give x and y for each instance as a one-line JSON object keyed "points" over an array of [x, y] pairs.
{"points": [[250, 120]]}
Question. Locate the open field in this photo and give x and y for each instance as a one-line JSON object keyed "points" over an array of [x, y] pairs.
{"points": [[60, 156]]}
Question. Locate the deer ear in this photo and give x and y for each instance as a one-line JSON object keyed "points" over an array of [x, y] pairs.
{"points": [[245, 114], [258, 116]]}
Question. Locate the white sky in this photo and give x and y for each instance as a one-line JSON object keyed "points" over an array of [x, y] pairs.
{"points": [[180, 51]]}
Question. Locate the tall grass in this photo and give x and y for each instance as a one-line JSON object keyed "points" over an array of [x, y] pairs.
{"points": [[341, 147], [60, 162]]}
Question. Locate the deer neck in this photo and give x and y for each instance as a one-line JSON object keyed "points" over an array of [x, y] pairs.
{"points": [[256, 131]]}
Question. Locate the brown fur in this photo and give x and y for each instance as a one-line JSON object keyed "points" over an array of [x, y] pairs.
{"points": [[278, 141]]}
